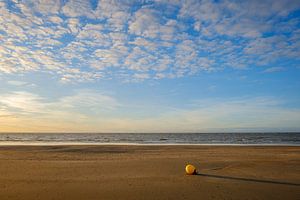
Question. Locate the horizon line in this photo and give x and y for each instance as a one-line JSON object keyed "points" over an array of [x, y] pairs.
{"points": [[148, 132]]}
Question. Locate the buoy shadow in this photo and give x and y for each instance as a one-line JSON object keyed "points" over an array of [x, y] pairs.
{"points": [[247, 179]]}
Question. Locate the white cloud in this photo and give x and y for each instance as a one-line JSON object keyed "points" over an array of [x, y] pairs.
{"points": [[83, 102], [149, 23], [55, 19], [88, 101], [76, 8], [19, 83], [23, 102], [235, 18], [71, 76], [118, 20], [74, 25], [91, 35], [139, 60], [45, 6], [107, 8], [146, 23], [24, 111], [94, 111], [141, 76], [112, 38], [108, 57], [142, 42], [274, 69]]}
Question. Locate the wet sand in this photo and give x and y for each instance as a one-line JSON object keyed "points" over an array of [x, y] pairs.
{"points": [[149, 172]]}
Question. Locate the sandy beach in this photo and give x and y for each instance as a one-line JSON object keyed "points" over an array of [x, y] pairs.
{"points": [[149, 172]]}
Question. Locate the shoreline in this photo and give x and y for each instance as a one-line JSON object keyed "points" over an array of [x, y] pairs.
{"points": [[136, 144]]}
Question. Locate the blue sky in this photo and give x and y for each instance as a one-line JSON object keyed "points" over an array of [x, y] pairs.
{"points": [[149, 66]]}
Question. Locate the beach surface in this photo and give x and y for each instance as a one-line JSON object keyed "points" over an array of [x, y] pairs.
{"points": [[149, 172]]}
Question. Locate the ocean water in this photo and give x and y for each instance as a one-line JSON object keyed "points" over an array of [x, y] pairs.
{"points": [[152, 138]]}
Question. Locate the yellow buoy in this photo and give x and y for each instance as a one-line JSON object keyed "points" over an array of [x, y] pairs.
{"points": [[190, 169]]}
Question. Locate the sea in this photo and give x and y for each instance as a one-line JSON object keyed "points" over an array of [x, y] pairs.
{"points": [[290, 139]]}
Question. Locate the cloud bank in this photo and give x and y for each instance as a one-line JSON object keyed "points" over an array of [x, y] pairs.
{"points": [[91, 111]]}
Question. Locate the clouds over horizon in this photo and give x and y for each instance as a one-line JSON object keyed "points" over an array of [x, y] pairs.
{"points": [[89, 110], [79, 40]]}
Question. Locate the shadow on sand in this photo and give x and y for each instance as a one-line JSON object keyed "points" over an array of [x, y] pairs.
{"points": [[247, 179]]}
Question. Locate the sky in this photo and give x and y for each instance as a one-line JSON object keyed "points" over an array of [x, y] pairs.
{"points": [[149, 66]]}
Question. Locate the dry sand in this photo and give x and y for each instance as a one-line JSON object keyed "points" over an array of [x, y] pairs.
{"points": [[148, 172]]}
